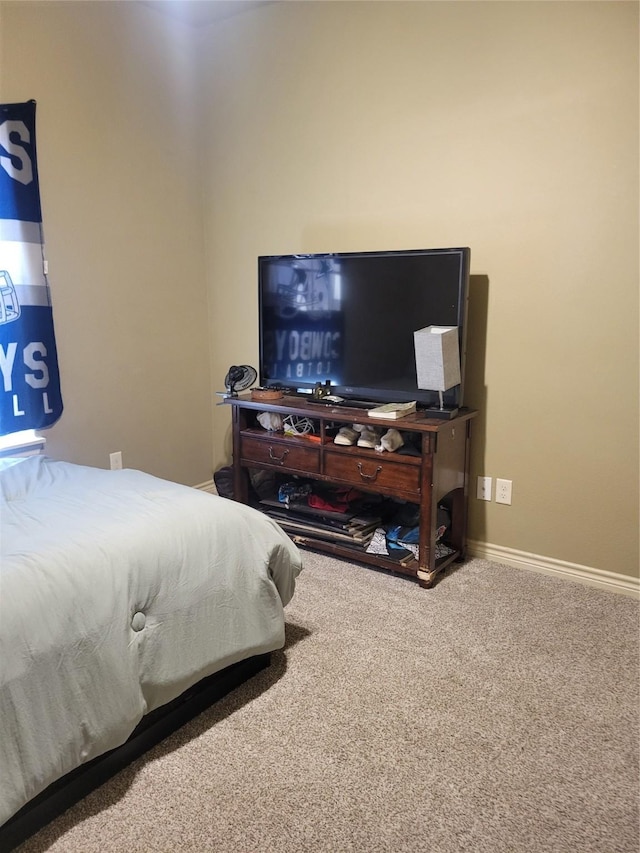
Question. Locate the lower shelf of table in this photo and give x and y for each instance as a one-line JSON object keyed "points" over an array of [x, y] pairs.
{"points": [[410, 568]]}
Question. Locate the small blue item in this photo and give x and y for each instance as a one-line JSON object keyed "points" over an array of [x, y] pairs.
{"points": [[409, 534], [398, 536]]}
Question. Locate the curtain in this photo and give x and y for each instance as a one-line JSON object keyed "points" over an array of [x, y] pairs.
{"points": [[31, 397]]}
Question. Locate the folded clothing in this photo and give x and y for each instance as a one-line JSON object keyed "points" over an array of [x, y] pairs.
{"points": [[336, 505], [402, 532]]}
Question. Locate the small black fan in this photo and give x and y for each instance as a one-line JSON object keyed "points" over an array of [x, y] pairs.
{"points": [[239, 378]]}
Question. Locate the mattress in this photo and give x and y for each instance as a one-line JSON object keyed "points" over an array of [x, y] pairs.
{"points": [[118, 591]]}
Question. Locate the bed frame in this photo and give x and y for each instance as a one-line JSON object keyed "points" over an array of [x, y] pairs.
{"points": [[153, 728]]}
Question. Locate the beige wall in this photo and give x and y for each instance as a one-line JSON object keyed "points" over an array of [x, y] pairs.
{"points": [[120, 194], [508, 127]]}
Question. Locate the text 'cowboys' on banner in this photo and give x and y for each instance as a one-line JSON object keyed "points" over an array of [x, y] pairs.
{"points": [[30, 382]]}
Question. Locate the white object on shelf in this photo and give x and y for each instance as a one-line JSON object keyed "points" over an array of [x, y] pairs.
{"points": [[437, 357]]}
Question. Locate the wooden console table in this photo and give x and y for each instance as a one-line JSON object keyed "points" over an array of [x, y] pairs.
{"points": [[441, 470]]}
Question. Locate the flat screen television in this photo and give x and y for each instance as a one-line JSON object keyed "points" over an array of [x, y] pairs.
{"points": [[349, 319]]}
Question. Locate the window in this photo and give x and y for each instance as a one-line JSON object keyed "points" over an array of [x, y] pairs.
{"points": [[22, 443]]}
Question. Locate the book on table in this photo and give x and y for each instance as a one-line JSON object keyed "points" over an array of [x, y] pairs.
{"points": [[393, 410]]}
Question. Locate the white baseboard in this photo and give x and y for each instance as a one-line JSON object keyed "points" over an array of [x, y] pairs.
{"points": [[550, 566], [209, 486]]}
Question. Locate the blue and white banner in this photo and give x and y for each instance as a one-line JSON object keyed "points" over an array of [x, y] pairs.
{"points": [[29, 377]]}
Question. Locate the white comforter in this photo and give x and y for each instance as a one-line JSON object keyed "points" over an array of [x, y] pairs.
{"points": [[118, 591]]}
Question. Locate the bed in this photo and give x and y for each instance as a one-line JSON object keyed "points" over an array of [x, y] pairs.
{"points": [[119, 592]]}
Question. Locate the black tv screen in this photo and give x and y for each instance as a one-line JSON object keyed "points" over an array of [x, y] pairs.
{"points": [[349, 318]]}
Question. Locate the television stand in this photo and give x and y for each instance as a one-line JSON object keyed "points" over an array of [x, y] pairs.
{"points": [[438, 472]]}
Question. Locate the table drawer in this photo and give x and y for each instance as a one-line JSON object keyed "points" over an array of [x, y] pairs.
{"points": [[283, 454], [372, 471]]}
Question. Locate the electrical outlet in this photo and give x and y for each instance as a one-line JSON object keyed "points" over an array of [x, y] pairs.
{"points": [[483, 489], [503, 491], [115, 460]]}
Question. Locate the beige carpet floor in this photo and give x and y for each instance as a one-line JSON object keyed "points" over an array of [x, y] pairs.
{"points": [[498, 711]]}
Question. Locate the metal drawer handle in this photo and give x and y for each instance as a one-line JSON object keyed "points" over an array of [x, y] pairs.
{"points": [[369, 476], [278, 459]]}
